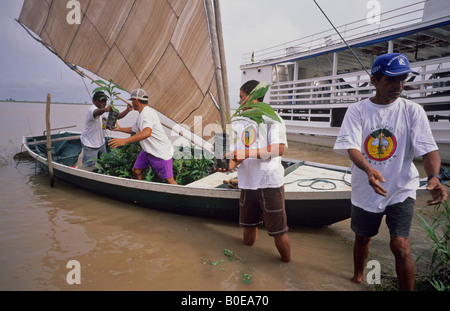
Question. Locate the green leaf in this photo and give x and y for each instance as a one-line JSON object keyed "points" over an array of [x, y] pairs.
{"points": [[100, 82], [266, 109], [100, 88], [120, 88], [259, 91], [254, 114]]}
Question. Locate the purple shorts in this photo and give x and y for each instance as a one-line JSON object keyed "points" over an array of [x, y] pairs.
{"points": [[163, 168]]}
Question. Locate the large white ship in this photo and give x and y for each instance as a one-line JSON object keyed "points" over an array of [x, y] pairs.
{"points": [[316, 78]]}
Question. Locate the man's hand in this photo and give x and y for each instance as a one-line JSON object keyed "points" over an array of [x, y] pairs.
{"points": [[117, 142], [437, 191], [375, 178], [117, 128], [232, 157]]}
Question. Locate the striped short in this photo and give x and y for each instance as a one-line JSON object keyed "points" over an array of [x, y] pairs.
{"points": [[263, 206]]}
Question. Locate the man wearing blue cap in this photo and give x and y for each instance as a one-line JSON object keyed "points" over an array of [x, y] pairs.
{"points": [[382, 135]]}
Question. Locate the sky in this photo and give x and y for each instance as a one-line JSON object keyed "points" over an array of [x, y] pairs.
{"points": [[28, 71]]}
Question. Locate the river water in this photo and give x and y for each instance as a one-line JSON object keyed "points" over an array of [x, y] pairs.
{"points": [[123, 247]]}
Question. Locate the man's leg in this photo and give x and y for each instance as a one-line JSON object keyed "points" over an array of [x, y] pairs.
{"points": [[250, 215], [171, 180], [399, 218], [90, 156], [250, 235], [283, 245], [365, 225], [138, 173], [360, 254], [404, 264]]}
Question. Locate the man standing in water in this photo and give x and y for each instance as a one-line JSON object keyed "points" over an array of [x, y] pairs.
{"points": [[258, 150], [382, 135], [157, 150]]}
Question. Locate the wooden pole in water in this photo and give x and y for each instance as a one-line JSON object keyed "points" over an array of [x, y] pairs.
{"points": [[49, 141]]}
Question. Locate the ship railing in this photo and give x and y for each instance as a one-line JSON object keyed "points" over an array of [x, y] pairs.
{"points": [[399, 17], [323, 100]]}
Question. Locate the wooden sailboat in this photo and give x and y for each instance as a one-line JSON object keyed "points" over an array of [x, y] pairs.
{"points": [[173, 50]]}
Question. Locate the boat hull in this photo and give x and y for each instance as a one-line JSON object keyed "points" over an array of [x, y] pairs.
{"points": [[310, 209]]}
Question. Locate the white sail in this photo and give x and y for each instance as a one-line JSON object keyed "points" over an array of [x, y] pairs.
{"points": [[162, 47]]}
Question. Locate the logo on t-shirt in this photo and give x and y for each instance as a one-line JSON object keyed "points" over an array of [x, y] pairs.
{"points": [[380, 145], [249, 136]]}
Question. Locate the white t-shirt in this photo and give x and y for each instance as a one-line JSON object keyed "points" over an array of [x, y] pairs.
{"points": [[259, 173], [389, 137], [158, 144], [93, 135]]}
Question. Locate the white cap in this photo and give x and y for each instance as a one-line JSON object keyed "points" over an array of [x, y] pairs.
{"points": [[139, 95]]}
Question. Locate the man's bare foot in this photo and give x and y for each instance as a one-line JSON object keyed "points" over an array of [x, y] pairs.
{"points": [[357, 279]]}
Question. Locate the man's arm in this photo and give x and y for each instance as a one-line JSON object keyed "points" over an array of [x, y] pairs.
{"points": [[125, 112], [100, 111], [237, 156], [126, 130], [373, 175], [432, 165], [118, 142], [271, 151]]}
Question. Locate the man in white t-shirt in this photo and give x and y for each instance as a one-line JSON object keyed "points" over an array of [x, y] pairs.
{"points": [[157, 150], [93, 135], [382, 135], [258, 150]]}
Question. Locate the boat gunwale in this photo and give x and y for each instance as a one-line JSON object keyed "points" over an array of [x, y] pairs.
{"points": [[225, 193]]}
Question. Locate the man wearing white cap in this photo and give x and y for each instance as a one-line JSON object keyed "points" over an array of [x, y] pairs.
{"points": [[382, 135], [157, 150]]}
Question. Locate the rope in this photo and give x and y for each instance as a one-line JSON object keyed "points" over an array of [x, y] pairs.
{"points": [[313, 181], [87, 90]]}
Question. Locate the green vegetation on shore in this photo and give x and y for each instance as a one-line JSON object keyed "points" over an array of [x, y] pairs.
{"points": [[437, 229]]}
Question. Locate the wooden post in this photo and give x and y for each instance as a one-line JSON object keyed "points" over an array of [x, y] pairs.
{"points": [[49, 142]]}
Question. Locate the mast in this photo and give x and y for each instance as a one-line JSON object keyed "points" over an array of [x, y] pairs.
{"points": [[217, 58], [223, 61]]}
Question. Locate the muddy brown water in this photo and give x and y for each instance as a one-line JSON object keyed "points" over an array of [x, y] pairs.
{"points": [[124, 247]]}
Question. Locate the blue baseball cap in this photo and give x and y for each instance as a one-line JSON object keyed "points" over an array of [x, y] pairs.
{"points": [[392, 64]]}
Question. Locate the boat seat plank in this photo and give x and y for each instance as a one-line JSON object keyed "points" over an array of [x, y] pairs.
{"points": [[214, 180], [41, 142]]}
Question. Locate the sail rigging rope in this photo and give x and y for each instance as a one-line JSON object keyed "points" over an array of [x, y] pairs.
{"points": [[348, 46]]}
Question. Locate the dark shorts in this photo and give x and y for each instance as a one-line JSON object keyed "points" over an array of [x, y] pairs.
{"points": [[399, 218], [263, 206], [163, 168]]}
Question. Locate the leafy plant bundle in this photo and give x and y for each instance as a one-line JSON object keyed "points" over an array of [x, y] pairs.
{"points": [[119, 162], [109, 89], [253, 109], [190, 168]]}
